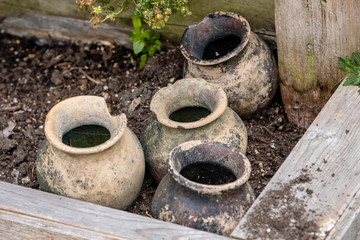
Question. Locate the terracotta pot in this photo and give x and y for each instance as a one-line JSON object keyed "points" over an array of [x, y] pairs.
{"points": [[161, 133], [188, 194], [222, 50], [109, 174]]}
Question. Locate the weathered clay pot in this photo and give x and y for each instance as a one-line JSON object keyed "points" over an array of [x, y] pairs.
{"points": [[109, 174], [222, 50], [181, 199], [161, 134]]}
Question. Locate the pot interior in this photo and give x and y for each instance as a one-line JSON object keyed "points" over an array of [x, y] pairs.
{"points": [[208, 173], [201, 163], [189, 114], [189, 103], [86, 136], [86, 121], [218, 37], [221, 46]]}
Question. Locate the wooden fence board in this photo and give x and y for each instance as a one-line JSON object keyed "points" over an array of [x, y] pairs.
{"points": [[310, 37]]}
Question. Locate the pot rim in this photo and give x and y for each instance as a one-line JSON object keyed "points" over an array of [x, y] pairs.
{"points": [[210, 62], [205, 188], [186, 86], [55, 139]]}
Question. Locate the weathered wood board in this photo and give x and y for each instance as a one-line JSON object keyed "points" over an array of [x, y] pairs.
{"points": [[63, 28], [318, 186], [310, 36], [259, 13], [32, 214]]}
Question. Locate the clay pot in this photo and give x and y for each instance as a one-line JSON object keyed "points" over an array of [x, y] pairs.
{"points": [[109, 174], [222, 50], [163, 132], [206, 187]]}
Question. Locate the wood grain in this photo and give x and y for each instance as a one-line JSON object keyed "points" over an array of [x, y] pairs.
{"points": [[259, 13], [329, 155], [31, 214], [311, 35]]}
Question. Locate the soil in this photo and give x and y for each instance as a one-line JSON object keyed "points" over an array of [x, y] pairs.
{"points": [[35, 74]]}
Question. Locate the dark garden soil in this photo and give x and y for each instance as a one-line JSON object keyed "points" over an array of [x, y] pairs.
{"points": [[36, 74]]}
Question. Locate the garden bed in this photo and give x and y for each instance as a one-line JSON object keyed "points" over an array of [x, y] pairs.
{"points": [[36, 73]]}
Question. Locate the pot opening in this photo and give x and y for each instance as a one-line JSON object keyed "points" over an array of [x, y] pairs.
{"points": [[221, 46], [86, 136], [208, 173], [189, 114]]}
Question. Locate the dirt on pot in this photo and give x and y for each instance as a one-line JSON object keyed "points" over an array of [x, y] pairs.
{"points": [[35, 74]]}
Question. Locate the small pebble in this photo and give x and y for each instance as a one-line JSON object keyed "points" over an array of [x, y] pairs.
{"points": [[15, 174], [134, 104], [25, 180]]}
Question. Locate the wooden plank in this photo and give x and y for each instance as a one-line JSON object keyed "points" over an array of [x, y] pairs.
{"points": [[317, 189], [348, 226], [62, 28], [31, 214], [310, 37], [259, 13]]}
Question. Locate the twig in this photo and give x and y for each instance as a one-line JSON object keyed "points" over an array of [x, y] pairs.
{"points": [[9, 109], [148, 214], [338, 82], [268, 131], [90, 78], [6, 77], [85, 74]]}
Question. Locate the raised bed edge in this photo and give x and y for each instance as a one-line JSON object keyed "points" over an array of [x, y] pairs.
{"points": [[328, 153], [26, 213]]}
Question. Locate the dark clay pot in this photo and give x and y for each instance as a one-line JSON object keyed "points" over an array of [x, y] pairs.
{"points": [[222, 50], [204, 205], [163, 132]]}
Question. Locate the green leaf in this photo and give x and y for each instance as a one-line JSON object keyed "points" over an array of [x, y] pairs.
{"points": [[157, 44], [356, 57], [350, 62], [357, 82], [341, 61], [350, 80], [110, 8], [151, 51], [132, 35], [145, 34], [138, 46], [136, 22], [143, 59]]}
